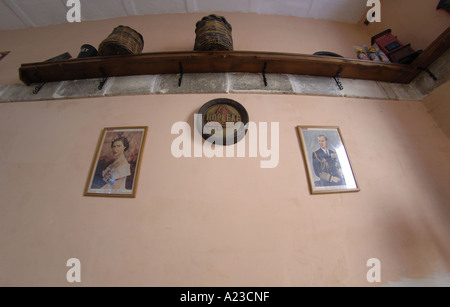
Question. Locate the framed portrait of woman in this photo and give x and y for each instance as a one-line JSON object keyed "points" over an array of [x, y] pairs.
{"points": [[326, 159], [115, 169]]}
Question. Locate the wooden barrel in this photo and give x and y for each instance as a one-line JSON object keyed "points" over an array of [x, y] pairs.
{"points": [[123, 40], [213, 33]]}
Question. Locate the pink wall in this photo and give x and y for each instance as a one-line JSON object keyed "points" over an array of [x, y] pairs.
{"points": [[218, 221], [438, 106]]}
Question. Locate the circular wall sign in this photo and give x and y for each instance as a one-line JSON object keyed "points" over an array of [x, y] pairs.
{"points": [[224, 121]]}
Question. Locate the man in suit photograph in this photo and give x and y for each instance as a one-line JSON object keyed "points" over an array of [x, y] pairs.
{"points": [[326, 164]]}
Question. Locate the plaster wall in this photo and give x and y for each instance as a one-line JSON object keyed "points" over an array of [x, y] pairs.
{"points": [[438, 106], [217, 221]]}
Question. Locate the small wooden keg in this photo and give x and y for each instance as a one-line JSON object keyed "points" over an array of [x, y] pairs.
{"points": [[213, 33], [123, 40]]}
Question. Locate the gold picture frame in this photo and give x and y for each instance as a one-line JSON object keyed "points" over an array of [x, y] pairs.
{"points": [[326, 159], [115, 169]]}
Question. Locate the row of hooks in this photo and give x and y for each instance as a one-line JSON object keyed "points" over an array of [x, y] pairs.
{"points": [[105, 78]]}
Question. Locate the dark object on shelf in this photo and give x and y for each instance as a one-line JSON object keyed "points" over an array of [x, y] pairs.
{"points": [[444, 4], [328, 53], [386, 41], [64, 56], [213, 33], [394, 49], [123, 40], [405, 55], [87, 51]]}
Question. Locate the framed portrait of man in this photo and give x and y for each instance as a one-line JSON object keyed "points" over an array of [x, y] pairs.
{"points": [[326, 159], [115, 169]]}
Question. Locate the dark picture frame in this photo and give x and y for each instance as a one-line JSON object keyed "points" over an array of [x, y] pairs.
{"points": [[220, 113]]}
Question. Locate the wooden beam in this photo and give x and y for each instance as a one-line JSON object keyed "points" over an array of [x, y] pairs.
{"points": [[212, 62], [436, 49]]}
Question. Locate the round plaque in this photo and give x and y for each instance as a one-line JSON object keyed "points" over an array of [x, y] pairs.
{"points": [[224, 121]]}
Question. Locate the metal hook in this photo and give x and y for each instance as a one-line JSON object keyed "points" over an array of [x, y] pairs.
{"points": [[38, 88], [181, 74], [40, 85], [264, 74], [336, 78], [104, 79], [429, 72]]}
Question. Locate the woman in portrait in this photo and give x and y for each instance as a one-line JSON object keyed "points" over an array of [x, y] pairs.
{"points": [[116, 173]]}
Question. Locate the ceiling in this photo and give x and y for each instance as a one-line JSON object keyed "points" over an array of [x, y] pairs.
{"points": [[17, 14]]}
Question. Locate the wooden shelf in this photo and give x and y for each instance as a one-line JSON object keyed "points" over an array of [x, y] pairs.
{"points": [[211, 62], [228, 61]]}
